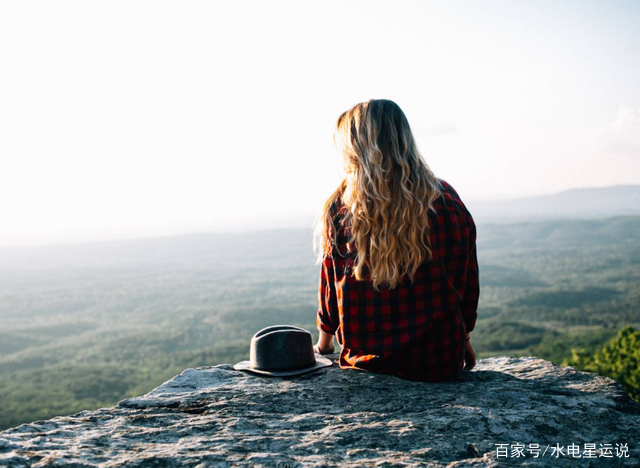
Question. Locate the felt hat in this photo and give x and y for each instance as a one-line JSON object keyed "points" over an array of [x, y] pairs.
{"points": [[282, 350]]}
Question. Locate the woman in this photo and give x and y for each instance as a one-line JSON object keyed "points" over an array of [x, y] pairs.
{"points": [[399, 279]]}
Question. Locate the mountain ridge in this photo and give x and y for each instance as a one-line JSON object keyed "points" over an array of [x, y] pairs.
{"points": [[577, 203]]}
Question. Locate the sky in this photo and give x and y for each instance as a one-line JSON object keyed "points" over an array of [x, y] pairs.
{"points": [[135, 118]]}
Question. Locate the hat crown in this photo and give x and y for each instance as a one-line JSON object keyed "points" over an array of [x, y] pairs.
{"points": [[282, 347]]}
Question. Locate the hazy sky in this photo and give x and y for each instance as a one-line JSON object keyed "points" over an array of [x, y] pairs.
{"points": [[135, 117]]}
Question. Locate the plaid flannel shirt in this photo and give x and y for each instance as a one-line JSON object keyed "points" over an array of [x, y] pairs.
{"points": [[414, 331]]}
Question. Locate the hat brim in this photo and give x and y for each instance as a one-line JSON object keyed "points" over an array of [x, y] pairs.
{"points": [[321, 362]]}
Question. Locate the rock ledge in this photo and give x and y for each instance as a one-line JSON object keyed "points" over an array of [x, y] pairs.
{"points": [[216, 416]]}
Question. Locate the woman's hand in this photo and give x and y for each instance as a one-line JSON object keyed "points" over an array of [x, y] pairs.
{"points": [[469, 356], [316, 349], [325, 343]]}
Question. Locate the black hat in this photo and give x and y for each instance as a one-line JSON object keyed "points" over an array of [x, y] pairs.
{"points": [[282, 350]]}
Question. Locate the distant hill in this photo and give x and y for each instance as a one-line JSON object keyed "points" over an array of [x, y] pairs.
{"points": [[582, 203]]}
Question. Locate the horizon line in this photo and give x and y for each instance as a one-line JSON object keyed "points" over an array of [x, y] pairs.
{"points": [[237, 225]]}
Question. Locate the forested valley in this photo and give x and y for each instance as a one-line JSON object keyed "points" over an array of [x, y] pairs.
{"points": [[83, 326]]}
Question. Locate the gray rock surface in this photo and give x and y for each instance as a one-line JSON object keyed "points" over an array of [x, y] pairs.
{"points": [[216, 416]]}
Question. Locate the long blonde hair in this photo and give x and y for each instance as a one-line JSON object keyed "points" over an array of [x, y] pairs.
{"points": [[388, 192]]}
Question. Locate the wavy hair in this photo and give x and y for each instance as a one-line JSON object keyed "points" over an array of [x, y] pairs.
{"points": [[388, 191]]}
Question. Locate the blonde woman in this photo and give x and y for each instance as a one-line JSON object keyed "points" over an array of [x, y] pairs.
{"points": [[399, 281]]}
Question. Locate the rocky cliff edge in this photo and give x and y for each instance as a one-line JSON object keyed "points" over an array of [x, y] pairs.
{"points": [[502, 413]]}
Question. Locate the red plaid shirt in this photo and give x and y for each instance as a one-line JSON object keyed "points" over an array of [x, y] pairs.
{"points": [[414, 331]]}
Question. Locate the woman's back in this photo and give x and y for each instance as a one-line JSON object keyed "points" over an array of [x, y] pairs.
{"points": [[399, 277], [417, 329]]}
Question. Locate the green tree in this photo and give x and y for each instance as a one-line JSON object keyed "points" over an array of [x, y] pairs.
{"points": [[619, 359]]}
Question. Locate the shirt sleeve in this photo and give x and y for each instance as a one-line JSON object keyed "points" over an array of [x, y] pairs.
{"points": [[469, 305], [327, 318]]}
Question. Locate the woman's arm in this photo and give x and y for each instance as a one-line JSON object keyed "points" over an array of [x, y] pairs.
{"points": [[327, 319], [471, 294]]}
